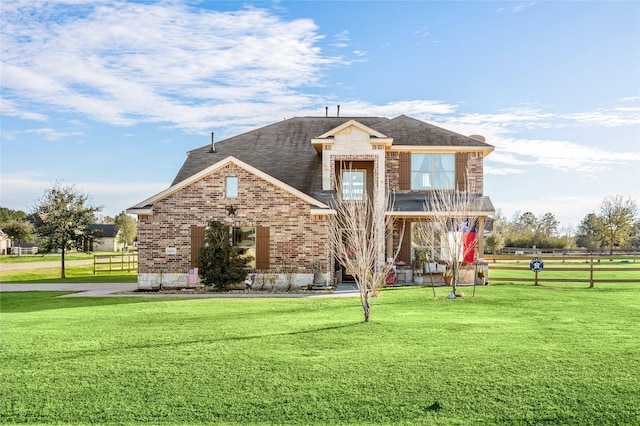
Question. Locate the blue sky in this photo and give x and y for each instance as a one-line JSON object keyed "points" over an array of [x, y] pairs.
{"points": [[109, 96]]}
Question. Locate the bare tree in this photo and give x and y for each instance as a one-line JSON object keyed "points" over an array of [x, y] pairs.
{"points": [[357, 234], [452, 216]]}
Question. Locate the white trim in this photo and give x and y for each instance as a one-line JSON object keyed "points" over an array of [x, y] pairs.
{"points": [[140, 211], [423, 213], [419, 149], [219, 165], [350, 123]]}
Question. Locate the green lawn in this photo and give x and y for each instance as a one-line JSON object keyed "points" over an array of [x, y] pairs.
{"points": [[74, 274], [604, 270], [515, 354], [49, 257]]}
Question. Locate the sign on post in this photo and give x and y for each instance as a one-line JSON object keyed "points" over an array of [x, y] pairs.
{"points": [[536, 265]]}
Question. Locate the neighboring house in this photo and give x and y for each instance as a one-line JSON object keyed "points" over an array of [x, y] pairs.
{"points": [[273, 187], [5, 243], [106, 238]]}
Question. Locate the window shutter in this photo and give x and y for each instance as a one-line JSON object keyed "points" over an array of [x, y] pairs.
{"points": [[405, 171], [462, 161], [262, 247], [197, 241], [405, 247]]}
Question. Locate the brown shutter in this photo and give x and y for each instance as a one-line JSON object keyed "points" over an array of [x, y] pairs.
{"points": [[405, 171], [405, 247], [462, 161], [262, 248], [197, 241]]}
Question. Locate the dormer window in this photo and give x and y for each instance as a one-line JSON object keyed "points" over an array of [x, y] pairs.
{"points": [[432, 171]]}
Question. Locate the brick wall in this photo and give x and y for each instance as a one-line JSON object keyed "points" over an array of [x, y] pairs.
{"points": [[296, 237]]}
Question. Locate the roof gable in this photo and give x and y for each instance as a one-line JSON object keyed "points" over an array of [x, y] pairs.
{"points": [[144, 206], [351, 123]]}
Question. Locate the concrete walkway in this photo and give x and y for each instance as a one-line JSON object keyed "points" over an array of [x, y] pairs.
{"points": [[88, 289], [125, 289]]}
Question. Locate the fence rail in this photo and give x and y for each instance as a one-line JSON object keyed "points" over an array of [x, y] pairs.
{"points": [[115, 262], [584, 274]]}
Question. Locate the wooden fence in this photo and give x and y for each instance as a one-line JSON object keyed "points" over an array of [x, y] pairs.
{"points": [[586, 269], [115, 262]]}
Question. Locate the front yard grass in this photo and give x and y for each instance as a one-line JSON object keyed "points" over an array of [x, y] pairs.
{"points": [[511, 355], [74, 274]]}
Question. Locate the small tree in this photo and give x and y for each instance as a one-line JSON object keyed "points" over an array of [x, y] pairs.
{"points": [[62, 217], [220, 263], [357, 233], [589, 234], [495, 242], [19, 230], [453, 215], [127, 229]]}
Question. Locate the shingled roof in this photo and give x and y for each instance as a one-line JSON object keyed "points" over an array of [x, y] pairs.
{"points": [[284, 150]]}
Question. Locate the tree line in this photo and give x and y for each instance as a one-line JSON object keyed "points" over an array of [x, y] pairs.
{"points": [[616, 225]]}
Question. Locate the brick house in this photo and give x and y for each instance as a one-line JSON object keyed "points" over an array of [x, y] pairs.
{"points": [[273, 187]]}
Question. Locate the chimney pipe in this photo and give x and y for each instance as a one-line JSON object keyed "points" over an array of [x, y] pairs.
{"points": [[338, 110], [326, 111], [213, 148]]}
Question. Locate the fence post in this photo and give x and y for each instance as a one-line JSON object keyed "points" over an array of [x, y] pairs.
{"points": [[591, 274]]}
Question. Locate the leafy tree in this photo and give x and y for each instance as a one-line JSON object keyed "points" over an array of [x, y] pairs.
{"points": [[526, 224], [548, 225], [589, 233], [19, 230], [127, 228], [634, 237], [8, 215], [617, 216], [107, 220], [220, 263], [62, 217], [495, 242]]}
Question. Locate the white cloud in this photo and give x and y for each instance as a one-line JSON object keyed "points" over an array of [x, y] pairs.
{"points": [[522, 6], [127, 63], [10, 109]]}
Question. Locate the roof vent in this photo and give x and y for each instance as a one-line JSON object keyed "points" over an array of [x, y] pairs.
{"points": [[479, 138], [338, 111], [213, 148]]}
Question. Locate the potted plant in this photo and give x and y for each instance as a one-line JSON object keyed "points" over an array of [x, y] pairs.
{"points": [[448, 275], [481, 274]]}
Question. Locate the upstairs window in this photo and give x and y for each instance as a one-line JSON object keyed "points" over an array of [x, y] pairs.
{"points": [[232, 187], [353, 185], [432, 171]]}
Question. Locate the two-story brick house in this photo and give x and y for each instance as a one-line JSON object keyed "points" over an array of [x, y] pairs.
{"points": [[273, 187]]}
